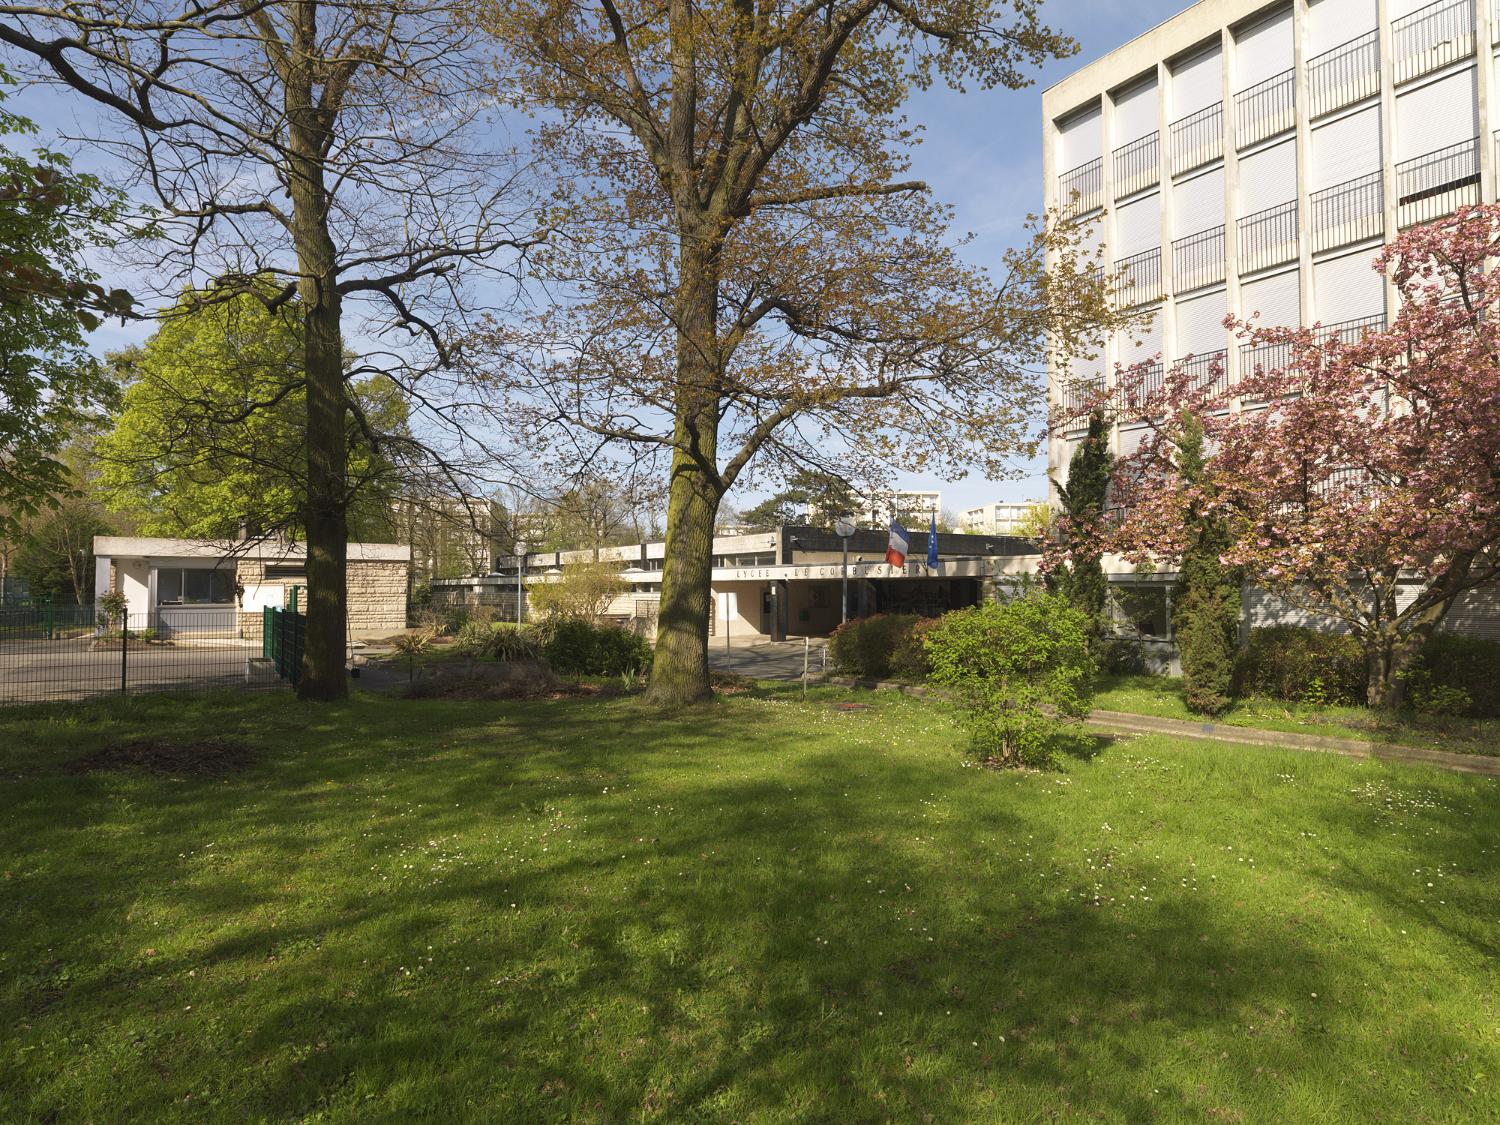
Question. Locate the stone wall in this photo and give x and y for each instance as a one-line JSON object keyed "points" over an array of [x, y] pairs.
{"points": [[377, 595]]}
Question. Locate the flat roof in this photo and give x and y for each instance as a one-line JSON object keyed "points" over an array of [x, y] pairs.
{"points": [[261, 550]]}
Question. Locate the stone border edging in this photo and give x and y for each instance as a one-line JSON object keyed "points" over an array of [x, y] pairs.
{"points": [[1125, 722]]}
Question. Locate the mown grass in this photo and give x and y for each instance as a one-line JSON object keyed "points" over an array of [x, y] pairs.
{"points": [[761, 910], [1162, 697]]}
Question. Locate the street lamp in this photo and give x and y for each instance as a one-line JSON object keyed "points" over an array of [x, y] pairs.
{"points": [[843, 527], [520, 575]]}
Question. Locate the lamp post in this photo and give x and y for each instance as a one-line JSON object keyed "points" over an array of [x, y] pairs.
{"points": [[843, 527], [520, 575]]}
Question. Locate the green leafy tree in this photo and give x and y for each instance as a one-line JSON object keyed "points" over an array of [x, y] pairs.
{"points": [[55, 554], [1081, 578], [1206, 602], [212, 434], [809, 495], [584, 590], [1021, 671], [50, 217]]}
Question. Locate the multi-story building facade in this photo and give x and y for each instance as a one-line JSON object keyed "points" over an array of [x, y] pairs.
{"points": [[1245, 158], [998, 518]]}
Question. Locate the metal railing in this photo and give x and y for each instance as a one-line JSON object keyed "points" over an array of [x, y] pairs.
{"points": [[72, 652], [1137, 165], [1087, 180], [1265, 109], [1263, 357], [1352, 331], [1434, 185], [1349, 212], [1144, 382], [1078, 393], [1432, 37], [283, 638], [1208, 372], [1197, 139], [1198, 260], [1268, 238], [1138, 278], [1347, 74]]}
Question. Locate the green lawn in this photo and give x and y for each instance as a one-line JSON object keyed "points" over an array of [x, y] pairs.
{"points": [[1162, 696], [764, 910]]}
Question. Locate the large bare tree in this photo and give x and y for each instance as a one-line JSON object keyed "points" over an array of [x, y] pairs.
{"points": [[340, 147], [747, 276]]}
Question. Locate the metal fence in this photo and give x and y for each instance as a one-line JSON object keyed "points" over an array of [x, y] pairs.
{"points": [[1138, 278], [1265, 109], [1349, 212], [1432, 37], [1197, 139], [1347, 74], [1268, 238], [1435, 185], [1198, 259], [67, 653], [1087, 180], [1137, 165]]}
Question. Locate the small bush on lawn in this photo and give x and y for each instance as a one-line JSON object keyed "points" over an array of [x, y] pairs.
{"points": [[1456, 675], [1301, 666], [909, 660], [1119, 655], [866, 646], [576, 647], [1007, 661], [497, 641]]}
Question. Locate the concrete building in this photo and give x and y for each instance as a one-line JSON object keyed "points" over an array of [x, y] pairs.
{"points": [[780, 583], [998, 518], [222, 587], [908, 506], [1247, 157]]}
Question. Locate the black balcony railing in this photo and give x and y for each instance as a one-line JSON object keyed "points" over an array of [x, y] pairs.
{"points": [[1352, 331], [1198, 260], [1145, 382], [1197, 139], [1138, 278], [1137, 165], [1432, 186], [1268, 238], [1207, 373], [1078, 394], [1263, 357], [1265, 109], [1432, 37], [1348, 212], [1345, 75], [1088, 181]]}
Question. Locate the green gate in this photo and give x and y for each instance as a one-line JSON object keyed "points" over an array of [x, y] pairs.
{"points": [[283, 634]]}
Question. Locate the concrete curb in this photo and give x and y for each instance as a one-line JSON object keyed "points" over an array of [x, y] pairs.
{"points": [[1124, 722]]}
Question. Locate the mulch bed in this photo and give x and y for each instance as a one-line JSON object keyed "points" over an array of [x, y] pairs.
{"points": [[207, 756]]}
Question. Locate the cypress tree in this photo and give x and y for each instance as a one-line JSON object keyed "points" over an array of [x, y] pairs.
{"points": [[1082, 580], [1206, 601]]}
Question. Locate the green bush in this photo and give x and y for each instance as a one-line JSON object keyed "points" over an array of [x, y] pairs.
{"points": [[576, 647], [866, 646], [1119, 655], [1302, 666], [1022, 673], [909, 660], [1456, 675], [498, 641]]}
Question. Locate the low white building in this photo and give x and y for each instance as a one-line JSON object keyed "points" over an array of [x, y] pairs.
{"points": [[222, 587]]}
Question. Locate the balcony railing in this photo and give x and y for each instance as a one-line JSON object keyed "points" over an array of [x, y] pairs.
{"points": [[1265, 109], [1352, 331], [1079, 393], [1137, 165], [1435, 185], [1138, 278], [1197, 139], [1432, 37], [1207, 373], [1348, 212], [1198, 260], [1143, 383], [1344, 75], [1263, 357], [1087, 180], [1268, 238]]}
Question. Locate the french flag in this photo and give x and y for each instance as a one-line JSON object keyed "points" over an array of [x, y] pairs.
{"points": [[895, 551]]}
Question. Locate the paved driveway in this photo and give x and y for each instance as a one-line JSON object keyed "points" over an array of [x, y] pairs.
{"points": [[32, 671], [769, 660]]}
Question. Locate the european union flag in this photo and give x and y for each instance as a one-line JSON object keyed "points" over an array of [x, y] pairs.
{"points": [[932, 559]]}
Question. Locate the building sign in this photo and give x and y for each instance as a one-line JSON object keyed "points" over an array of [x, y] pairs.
{"points": [[945, 569]]}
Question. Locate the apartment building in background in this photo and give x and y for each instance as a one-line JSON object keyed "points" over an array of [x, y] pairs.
{"points": [[1245, 157], [998, 518], [1252, 158]]}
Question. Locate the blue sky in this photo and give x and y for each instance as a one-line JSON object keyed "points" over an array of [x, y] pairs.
{"points": [[983, 154]]}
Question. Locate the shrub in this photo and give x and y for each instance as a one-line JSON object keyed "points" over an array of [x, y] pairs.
{"points": [[576, 647], [1022, 673], [866, 646], [1301, 665], [1456, 675], [1119, 655], [909, 660], [498, 641]]}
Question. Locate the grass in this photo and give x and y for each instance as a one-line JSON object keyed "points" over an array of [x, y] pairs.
{"points": [[1162, 696], [761, 910]]}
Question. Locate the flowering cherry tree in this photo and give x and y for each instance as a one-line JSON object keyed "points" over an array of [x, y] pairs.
{"points": [[1359, 475]]}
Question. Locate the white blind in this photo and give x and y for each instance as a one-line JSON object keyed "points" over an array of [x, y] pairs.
{"points": [[1137, 226], [1277, 299], [1263, 51], [1332, 23], [1131, 439], [1135, 113], [1197, 83], [1347, 288], [1080, 140], [1345, 149], [1268, 177], [1144, 342], [1437, 115], [1399, 8], [1198, 204], [1200, 324]]}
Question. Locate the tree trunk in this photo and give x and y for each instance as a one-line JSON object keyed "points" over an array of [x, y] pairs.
{"points": [[326, 507], [679, 669]]}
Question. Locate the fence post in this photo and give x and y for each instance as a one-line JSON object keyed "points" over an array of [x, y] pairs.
{"points": [[47, 616], [124, 646]]}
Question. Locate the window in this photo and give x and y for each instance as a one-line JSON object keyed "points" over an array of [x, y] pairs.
{"points": [[280, 572], [1145, 610], [194, 586]]}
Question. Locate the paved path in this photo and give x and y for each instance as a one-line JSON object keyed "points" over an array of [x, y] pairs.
{"points": [[769, 660]]}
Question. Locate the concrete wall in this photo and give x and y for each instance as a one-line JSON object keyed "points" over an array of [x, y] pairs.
{"points": [[377, 595]]}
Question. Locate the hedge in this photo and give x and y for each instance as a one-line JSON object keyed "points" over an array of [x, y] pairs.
{"points": [[1301, 665]]}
